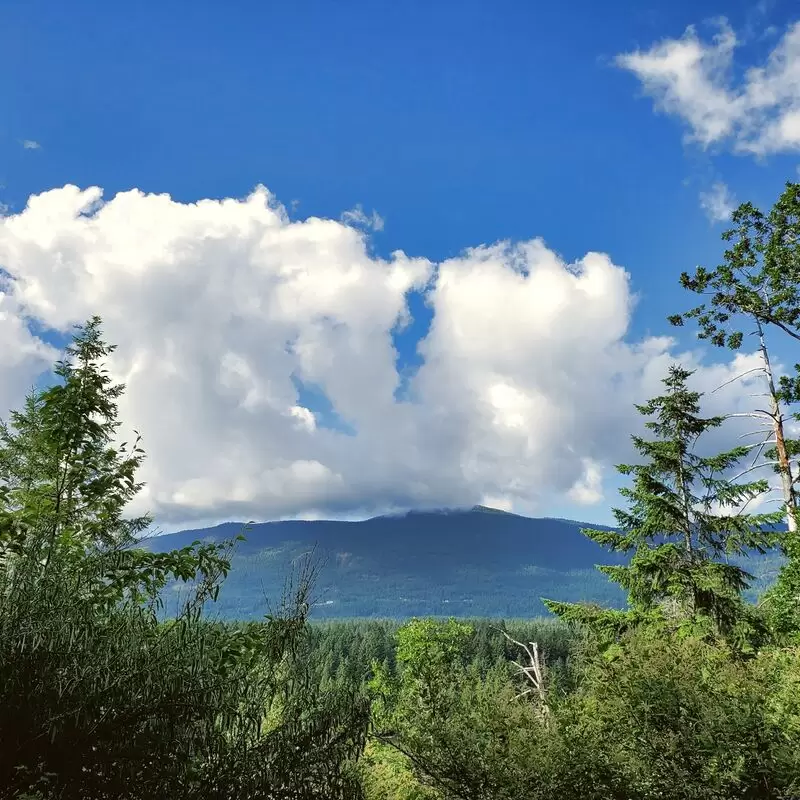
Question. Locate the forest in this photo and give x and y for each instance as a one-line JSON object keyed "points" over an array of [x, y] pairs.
{"points": [[457, 562], [689, 690]]}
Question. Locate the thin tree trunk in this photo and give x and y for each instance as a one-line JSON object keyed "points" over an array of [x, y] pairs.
{"points": [[687, 509], [784, 464]]}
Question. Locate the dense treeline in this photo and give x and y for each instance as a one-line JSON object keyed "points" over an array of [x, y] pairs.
{"points": [[346, 652], [510, 591], [690, 691]]}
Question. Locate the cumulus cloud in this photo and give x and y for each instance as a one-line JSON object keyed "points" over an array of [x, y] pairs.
{"points": [[223, 310], [718, 202], [694, 80], [30, 144]]}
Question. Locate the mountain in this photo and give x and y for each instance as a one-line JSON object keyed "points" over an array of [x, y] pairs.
{"points": [[478, 562]]}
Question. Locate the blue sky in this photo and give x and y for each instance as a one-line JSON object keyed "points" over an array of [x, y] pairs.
{"points": [[458, 123]]}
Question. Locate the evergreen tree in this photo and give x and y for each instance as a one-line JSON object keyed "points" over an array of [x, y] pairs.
{"points": [[676, 526]]}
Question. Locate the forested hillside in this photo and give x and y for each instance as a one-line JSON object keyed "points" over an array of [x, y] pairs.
{"points": [[471, 563]]}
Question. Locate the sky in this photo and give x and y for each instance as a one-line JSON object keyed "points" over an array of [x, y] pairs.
{"points": [[361, 257]]}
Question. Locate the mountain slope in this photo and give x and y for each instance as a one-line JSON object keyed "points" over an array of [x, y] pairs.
{"points": [[480, 562]]}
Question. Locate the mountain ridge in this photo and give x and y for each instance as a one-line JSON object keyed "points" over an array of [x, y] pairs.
{"points": [[453, 562]]}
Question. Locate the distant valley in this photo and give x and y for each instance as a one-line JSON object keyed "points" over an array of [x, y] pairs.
{"points": [[471, 563]]}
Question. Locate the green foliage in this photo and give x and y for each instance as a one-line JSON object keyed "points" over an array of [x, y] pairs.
{"points": [[465, 733], [426, 647], [387, 775], [782, 600], [348, 652], [99, 698], [686, 718], [759, 278], [677, 531], [427, 652], [662, 715]]}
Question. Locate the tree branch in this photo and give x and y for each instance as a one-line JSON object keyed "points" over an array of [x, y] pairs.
{"points": [[738, 377], [754, 467], [757, 414], [534, 672], [785, 329]]}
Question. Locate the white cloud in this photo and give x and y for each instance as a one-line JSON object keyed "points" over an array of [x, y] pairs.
{"points": [[23, 357], [357, 217], [694, 80], [500, 502], [588, 489], [30, 144], [219, 308], [304, 416], [718, 202]]}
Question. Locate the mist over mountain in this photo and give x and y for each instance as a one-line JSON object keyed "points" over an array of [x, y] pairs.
{"points": [[470, 563]]}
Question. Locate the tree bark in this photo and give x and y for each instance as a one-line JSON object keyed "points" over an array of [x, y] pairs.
{"points": [[784, 464]]}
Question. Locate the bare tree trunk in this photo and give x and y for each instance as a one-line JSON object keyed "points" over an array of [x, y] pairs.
{"points": [[534, 672], [776, 414], [687, 518]]}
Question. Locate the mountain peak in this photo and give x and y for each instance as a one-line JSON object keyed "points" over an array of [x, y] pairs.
{"points": [[488, 510]]}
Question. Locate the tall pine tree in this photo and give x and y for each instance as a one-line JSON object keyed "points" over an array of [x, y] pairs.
{"points": [[683, 521]]}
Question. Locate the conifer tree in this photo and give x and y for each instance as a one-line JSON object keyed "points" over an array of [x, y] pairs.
{"points": [[683, 519]]}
